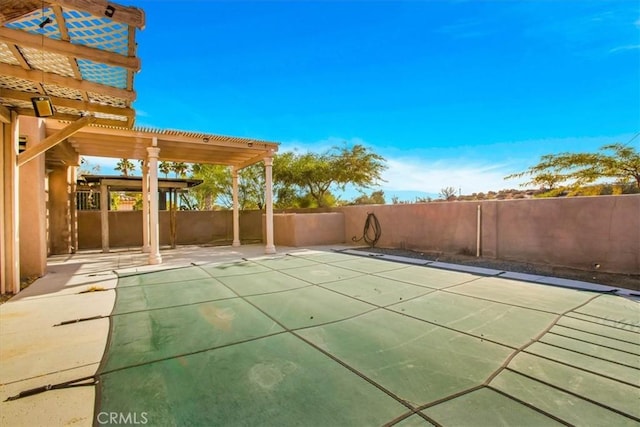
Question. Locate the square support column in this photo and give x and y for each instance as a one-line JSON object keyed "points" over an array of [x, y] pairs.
{"points": [[10, 246], [236, 213], [32, 200], [268, 165], [154, 229]]}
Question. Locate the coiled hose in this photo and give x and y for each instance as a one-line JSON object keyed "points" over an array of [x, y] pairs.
{"points": [[372, 230]]}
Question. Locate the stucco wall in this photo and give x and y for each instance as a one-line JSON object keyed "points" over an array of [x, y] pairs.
{"points": [[296, 230], [32, 202], [445, 227], [575, 232], [193, 227]]}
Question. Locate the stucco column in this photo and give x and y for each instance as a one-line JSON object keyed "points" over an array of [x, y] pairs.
{"points": [[269, 247], [236, 213], [10, 247], [154, 230], [32, 202], [145, 207], [104, 216]]}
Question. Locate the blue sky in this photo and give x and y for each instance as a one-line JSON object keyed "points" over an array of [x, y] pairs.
{"points": [[451, 93]]}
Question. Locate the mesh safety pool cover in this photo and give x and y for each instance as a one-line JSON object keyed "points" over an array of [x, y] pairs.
{"points": [[337, 340]]}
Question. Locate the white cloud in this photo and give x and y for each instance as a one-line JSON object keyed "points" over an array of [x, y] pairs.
{"points": [[624, 48], [430, 177], [319, 146]]}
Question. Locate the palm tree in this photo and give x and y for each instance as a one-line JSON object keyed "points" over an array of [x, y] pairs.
{"points": [[180, 169], [125, 166], [165, 168]]}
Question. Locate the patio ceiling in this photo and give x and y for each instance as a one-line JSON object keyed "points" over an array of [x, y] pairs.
{"points": [[82, 54], [175, 146]]}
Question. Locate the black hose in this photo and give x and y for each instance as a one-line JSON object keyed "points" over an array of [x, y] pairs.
{"points": [[371, 225], [80, 382]]}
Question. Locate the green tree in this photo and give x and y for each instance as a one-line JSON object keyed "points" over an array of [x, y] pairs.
{"points": [[125, 166], [577, 170], [315, 174], [165, 168], [115, 200], [217, 185], [251, 188], [180, 169], [214, 179], [376, 198]]}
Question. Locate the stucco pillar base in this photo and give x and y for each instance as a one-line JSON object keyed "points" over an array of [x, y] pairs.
{"points": [[155, 259], [235, 243], [270, 249]]}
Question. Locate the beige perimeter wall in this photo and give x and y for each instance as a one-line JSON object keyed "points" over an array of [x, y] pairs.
{"points": [[207, 227], [575, 232]]}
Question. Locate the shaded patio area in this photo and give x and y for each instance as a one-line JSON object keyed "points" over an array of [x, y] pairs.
{"points": [[228, 336]]}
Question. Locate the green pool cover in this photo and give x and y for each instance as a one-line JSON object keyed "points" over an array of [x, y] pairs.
{"points": [[329, 339]]}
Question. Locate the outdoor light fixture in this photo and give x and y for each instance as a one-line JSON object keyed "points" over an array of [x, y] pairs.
{"points": [[42, 106], [45, 22], [249, 144], [205, 139]]}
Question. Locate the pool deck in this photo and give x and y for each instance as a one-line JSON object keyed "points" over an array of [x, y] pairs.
{"points": [[34, 352]]}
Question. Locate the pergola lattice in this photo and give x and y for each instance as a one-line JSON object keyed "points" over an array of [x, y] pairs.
{"points": [[82, 54]]}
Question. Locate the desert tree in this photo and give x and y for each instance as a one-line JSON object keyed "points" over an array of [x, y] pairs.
{"points": [[316, 173], [618, 162]]}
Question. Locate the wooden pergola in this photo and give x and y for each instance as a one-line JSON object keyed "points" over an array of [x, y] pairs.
{"points": [[80, 56]]}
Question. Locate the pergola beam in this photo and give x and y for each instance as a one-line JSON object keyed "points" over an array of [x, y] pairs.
{"points": [[5, 114], [51, 141], [62, 81], [251, 161], [124, 14], [64, 152], [71, 118], [91, 107], [12, 10], [61, 47]]}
